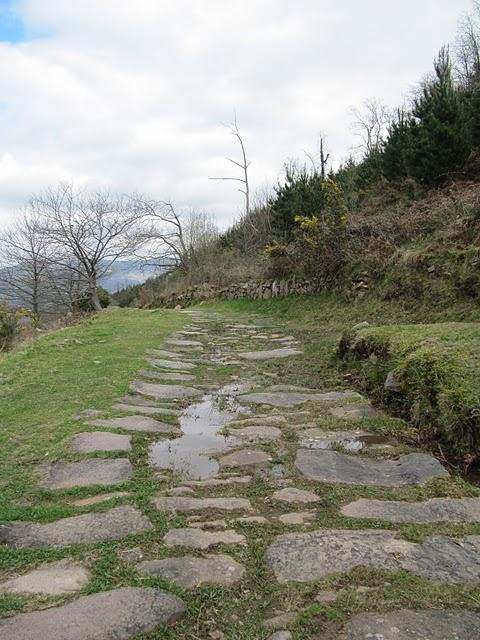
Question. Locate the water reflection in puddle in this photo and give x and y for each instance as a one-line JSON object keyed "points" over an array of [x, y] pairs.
{"points": [[200, 424]]}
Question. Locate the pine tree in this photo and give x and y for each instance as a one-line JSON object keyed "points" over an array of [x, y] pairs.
{"points": [[441, 134]]}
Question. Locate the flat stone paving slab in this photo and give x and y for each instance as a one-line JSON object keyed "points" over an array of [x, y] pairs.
{"points": [[257, 434], [244, 458], [179, 342], [200, 539], [111, 615], [89, 441], [138, 423], [271, 354], [293, 495], [114, 524], [168, 364], [355, 411], [190, 572], [102, 497], [291, 399], [164, 391], [434, 510], [218, 482], [53, 579], [433, 624], [166, 375], [98, 471], [308, 557], [331, 466], [145, 409], [181, 503]]}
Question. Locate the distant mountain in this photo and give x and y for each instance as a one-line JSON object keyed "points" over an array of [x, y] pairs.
{"points": [[125, 273]]}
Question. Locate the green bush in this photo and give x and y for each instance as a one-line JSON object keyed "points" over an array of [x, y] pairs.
{"points": [[84, 302], [9, 324]]}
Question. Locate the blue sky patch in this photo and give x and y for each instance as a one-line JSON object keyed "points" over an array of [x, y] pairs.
{"points": [[11, 25]]}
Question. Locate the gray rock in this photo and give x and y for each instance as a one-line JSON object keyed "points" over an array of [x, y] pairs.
{"points": [[354, 411], [103, 497], [138, 423], [271, 354], [161, 353], [180, 491], [257, 434], [295, 496], [326, 597], [100, 441], [97, 471], [146, 410], [135, 554], [201, 504], [413, 625], [297, 517], [292, 399], [53, 579], [200, 539], [88, 528], [111, 615], [392, 384], [330, 466], [280, 621], [193, 345], [138, 401], [434, 510], [168, 364], [164, 391], [244, 458], [281, 635], [90, 413], [308, 557], [255, 421], [190, 572], [218, 482], [360, 325], [166, 375]]}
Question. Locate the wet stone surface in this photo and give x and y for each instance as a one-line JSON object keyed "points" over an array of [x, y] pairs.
{"points": [[272, 354], [112, 615], [190, 572], [245, 458], [330, 466], [434, 624], [97, 471], [88, 528]]}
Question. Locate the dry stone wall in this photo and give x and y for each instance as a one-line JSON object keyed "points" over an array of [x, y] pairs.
{"points": [[253, 290]]}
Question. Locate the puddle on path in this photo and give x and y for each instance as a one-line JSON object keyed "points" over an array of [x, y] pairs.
{"points": [[200, 424]]}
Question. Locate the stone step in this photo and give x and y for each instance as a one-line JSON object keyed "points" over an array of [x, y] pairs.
{"points": [[166, 375], [244, 458], [294, 398], [434, 624], [138, 423], [218, 482], [111, 615], [164, 391], [145, 409], [168, 364], [434, 510], [114, 524], [308, 557], [184, 504], [90, 441], [256, 434], [334, 467], [200, 539], [190, 572], [97, 471], [53, 579], [271, 354]]}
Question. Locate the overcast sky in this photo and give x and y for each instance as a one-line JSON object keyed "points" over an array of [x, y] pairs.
{"points": [[132, 94]]}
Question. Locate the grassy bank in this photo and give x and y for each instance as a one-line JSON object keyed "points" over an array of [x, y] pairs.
{"points": [[437, 368]]}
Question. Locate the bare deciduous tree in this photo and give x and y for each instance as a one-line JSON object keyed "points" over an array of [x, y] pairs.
{"points": [[370, 125], [89, 232], [24, 262], [319, 159], [467, 48], [244, 164]]}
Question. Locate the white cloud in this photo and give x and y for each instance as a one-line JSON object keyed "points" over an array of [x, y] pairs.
{"points": [[132, 94]]}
